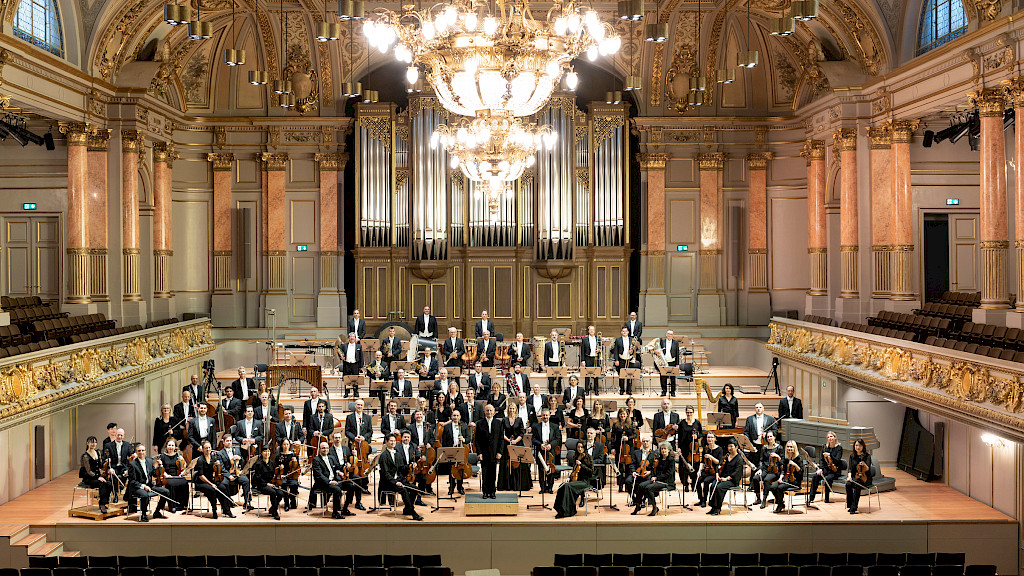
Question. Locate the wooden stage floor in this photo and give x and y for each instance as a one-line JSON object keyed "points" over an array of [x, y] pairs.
{"points": [[917, 517]]}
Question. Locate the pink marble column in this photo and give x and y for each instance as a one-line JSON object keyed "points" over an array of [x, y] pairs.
{"points": [[653, 164], [711, 165], [817, 230], [902, 208], [97, 183], [274, 165], [881, 205], [757, 220], [1015, 94], [994, 233], [330, 249], [222, 166], [131, 146], [163, 159], [849, 243], [77, 134]]}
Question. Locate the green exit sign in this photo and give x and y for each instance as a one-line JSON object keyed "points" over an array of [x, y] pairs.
{"points": [[28, 206], [302, 248], [682, 248], [952, 201]]}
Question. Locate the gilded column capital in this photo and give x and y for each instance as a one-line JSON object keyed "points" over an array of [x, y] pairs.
{"points": [[711, 160], [1014, 91], [813, 150], [653, 160], [845, 139], [881, 137], [99, 140], [222, 161], [903, 130], [758, 160], [273, 161], [989, 101], [131, 141], [164, 152], [330, 161], [77, 133]]}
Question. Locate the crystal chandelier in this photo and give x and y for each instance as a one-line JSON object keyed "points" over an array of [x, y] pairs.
{"points": [[494, 148], [492, 56]]}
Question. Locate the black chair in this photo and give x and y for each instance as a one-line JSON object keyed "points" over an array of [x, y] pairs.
{"points": [[741, 559], [781, 570], [371, 570], [437, 571], [950, 559], [947, 570], [649, 570], [233, 571], [581, 570], [269, 571], [980, 570], [549, 570], [630, 560], [282, 561], [200, 571], [302, 571], [252, 562], [714, 559], [368, 561], [42, 561], [330, 560], [748, 570], [655, 559], [613, 571], [713, 571], [136, 571], [168, 571], [136, 562], [308, 561], [847, 570], [926, 559], [916, 570], [773, 559], [424, 560], [73, 561], [833, 559], [898, 559], [36, 571], [680, 570], [566, 560], [815, 570], [798, 559], [91, 571], [595, 560], [189, 561], [391, 560], [329, 570], [403, 571], [220, 561], [13, 571], [883, 570], [858, 559], [103, 562], [685, 559]]}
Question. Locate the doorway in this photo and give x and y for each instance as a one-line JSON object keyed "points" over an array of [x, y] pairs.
{"points": [[31, 254]]}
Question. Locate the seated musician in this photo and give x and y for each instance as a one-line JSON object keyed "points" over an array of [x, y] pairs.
{"points": [[355, 486], [232, 461], [454, 396], [326, 479], [829, 468], [854, 485], [391, 421], [573, 490], [263, 480], [248, 431], [378, 371], [519, 351], [791, 474], [205, 479], [479, 382], [596, 450], [285, 459], [456, 434], [141, 480], [768, 469], [90, 472], [391, 347], [402, 386], [663, 477], [637, 473], [713, 454], [288, 428], [411, 455], [174, 465], [729, 476], [622, 438], [391, 479], [320, 425], [547, 439], [117, 452], [486, 348], [203, 428]]}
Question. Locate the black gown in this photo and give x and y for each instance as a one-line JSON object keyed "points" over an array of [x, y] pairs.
{"points": [[89, 473], [519, 477], [177, 486]]}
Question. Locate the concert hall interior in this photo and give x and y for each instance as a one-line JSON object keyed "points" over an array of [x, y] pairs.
{"points": [[546, 287]]}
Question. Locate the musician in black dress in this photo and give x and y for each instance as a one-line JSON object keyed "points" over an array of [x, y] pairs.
{"points": [[291, 474], [90, 472], [623, 435], [729, 476], [262, 480], [498, 400], [854, 485], [791, 475], [728, 403], [664, 477], [174, 466], [769, 469], [576, 419], [713, 454], [205, 479], [829, 468], [572, 490], [634, 413], [163, 428], [687, 438], [513, 478], [557, 416]]}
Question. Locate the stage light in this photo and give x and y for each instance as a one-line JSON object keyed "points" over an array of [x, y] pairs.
{"points": [[993, 440]]}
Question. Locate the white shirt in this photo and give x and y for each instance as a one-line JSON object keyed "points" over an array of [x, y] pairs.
{"points": [[405, 452], [593, 345], [519, 348], [489, 420], [338, 453], [350, 353], [790, 401], [632, 326], [554, 350], [202, 424], [668, 350], [117, 451], [391, 421], [419, 434], [536, 402], [330, 470], [545, 432], [456, 431], [758, 424], [287, 428], [426, 326], [625, 348], [245, 388], [355, 325], [248, 428]]}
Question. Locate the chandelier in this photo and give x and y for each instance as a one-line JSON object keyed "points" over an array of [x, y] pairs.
{"points": [[493, 148], [497, 57]]}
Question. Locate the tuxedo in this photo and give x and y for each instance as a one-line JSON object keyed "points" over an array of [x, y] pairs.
{"points": [[181, 410], [309, 409], [620, 354], [196, 435], [140, 478], [522, 380], [659, 423], [118, 458], [552, 356], [324, 472], [426, 326], [672, 359], [385, 424], [391, 349], [534, 408], [244, 429], [324, 426], [448, 347], [391, 480], [635, 327], [488, 349], [292, 433], [555, 440], [750, 428], [590, 347], [471, 412], [481, 326], [401, 388], [427, 436], [353, 351], [358, 327], [355, 426], [244, 389], [432, 369], [258, 411], [449, 434], [198, 392], [785, 412], [570, 394], [232, 406], [385, 374], [519, 352], [480, 383], [489, 440]]}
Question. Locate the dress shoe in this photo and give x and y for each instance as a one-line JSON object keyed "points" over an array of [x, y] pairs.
{"points": [[417, 517], [248, 507], [215, 514], [286, 507], [158, 516], [276, 516], [559, 515], [419, 502], [853, 510], [103, 509], [359, 506], [702, 503], [715, 512], [826, 500], [347, 512], [366, 491], [337, 516], [757, 501], [622, 489], [636, 509], [461, 490], [763, 503], [229, 514], [654, 512], [145, 518]]}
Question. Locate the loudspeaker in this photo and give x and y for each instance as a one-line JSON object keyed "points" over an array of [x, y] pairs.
{"points": [[928, 137], [244, 243], [48, 141], [735, 237], [40, 452]]}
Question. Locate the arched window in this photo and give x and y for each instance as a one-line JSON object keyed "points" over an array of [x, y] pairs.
{"points": [[941, 22], [38, 22]]}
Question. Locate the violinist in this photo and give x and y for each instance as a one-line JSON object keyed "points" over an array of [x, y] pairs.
{"points": [[687, 443], [790, 476], [341, 458], [535, 402], [162, 428], [455, 434], [634, 413], [411, 455], [729, 476], [288, 428], [358, 426], [325, 479], [623, 433], [769, 469], [576, 488], [712, 458], [141, 476], [321, 425], [596, 451], [248, 431], [422, 432], [510, 478], [547, 442], [204, 478], [576, 419], [479, 382], [391, 480], [599, 420], [557, 416], [232, 461], [202, 428], [392, 421], [638, 473], [173, 468], [663, 477], [666, 419], [265, 408], [573, 391], [231, 405], [829, 467], [184, 412], [90, 472], [263, 476], [498, 400], [289, 460], [861, 474]]}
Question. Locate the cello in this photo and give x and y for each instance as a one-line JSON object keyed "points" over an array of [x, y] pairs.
{"points": [[360, 458]]}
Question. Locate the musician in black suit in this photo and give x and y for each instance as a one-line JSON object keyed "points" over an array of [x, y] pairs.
{"points": [[428, 371], [519, 382], [590, 347], [186, 409], [378, 370], [480, 383], [623, 359], [488, 440], [498, 400], [453, 435], [402, 386], [547, 438], [486, 348], [320, 424], [790, 406], [356, 325], [197, 390], [472, 409], [248, 431], [391, 479], [553, 351], [519, 351], [391, 421], [309, 407], [572, 391], [426, 325], [325, 479], [633, 479], [421, 431], [827, 472], [452, 348], [351, 353], [634, 326], [756, 425], [232, 462], [535, 402], [670, 352], [358, 426], [265, 407], [483, 325], [244, 387], [202, 428], [341, 454], [231, 405], [288, 428], [142, 486], [118, 453], [666, 417], [391, 347], [409, 454]]}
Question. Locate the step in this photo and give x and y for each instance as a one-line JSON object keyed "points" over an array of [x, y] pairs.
{"points": [[12, 532], [50, 549], [31, 543], [70, 554]]}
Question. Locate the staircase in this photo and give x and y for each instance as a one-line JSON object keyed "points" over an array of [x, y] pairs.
{"points": [[18, 544]]}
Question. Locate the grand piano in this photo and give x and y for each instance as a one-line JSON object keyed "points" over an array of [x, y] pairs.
{"points": [[811, 432]]}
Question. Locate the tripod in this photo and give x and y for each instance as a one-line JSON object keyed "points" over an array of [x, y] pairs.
{"points": [[773, 375]]}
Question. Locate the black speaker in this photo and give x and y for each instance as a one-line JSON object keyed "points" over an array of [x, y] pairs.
{"points": [[48, 141], [40, 452], [928, 137]]}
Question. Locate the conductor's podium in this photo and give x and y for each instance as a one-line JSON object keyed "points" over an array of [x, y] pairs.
{"points": [[503, 504]]}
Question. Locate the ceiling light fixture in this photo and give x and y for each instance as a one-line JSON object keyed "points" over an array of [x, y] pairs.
{"points": [[233, 56]]}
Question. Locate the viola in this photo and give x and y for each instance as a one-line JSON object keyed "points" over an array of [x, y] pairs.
{"points": [[829, 463], [293, 468], [625, 458], [159, 473], [695, 452], [278, 475], [773, 464], [862, 472], [426, 464], [410, 477], [663, 434]]}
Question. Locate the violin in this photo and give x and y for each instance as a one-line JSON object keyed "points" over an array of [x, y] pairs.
{"points": [[625, 458], [278, 475], [642, 470], [180, 464], [695, 451], [105, 469], [773, 464], [218, 472], [862, 472], [791, 470], [159, 473], [709, 465], [829, 463], [575, 476], [663, 434], [293, 468], [410, 477], [549, 461]]}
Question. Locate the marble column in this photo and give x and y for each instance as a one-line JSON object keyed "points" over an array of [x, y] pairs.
{"points": [[817, 229], [881, 214], [711, 308], [902, 210], [653, 298], [1015, 95], [849, 243], [78, 288], [758, 301], [163, 248], [132, 305], [994, 233], [225, 310], [275, 214], [329, 308], [98, 148]]}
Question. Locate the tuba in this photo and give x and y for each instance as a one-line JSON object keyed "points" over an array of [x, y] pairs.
{"points": [[655, 351]]}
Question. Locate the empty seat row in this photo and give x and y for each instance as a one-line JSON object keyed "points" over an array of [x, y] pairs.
{"points": [[27, 348], [233, 571], [11, 302], [879, 331], [25, 316], [247, 561], [11, 335], [771, 570], [922, 326], [955, 312], [991, 335], [972, 299], [819, 320], [759, 559], [158, 323], [63, 328]]}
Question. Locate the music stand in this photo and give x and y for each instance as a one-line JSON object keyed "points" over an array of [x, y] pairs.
{"points": [[380, 386], [300, 359], [493, 371], [542, 471], [591, 372], [743, 442], [449, 455], [557, 372], [609, 480], [352, 381], [406, 403], [370, 344], [718, 419], [454, 372], [632, 374], [522, 455], [403, 364]]}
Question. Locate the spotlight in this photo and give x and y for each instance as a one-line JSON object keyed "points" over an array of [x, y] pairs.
{"points": [[48, 140], [928, 137]]}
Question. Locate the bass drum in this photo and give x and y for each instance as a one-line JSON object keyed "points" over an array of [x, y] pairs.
{"points": [[402, 331]]}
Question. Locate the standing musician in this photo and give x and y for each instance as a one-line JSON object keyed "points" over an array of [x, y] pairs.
{"points": [[197, 390], [514, 430], [634, 413], [553, 357], [111, 434], [522, 410], [687, 438], [576, 419], [486, 348], [203, 476], [791, 475], [309, 408], [666, 417], [266, 408], [535, 402], [479, 382], [263, 481], [573, 490], [244, 387], [378, 371], [755, 427], [453, 348], [184, 412], [325, 479], [320, 425], [557, 416], [421, 432], [391, 347], [663, 477], [402, 386], [519, 351], [547, 439], [428, 415], [355, 486], [484, 325], [426, 325], [89, 472], [854, 485], [519, 379], [573, 391], [729, 475], [164, 428], [497, 400], [713, 454], [203, 428], [597, 453], [174, 465], [729, 404], [454, 435], [358, 425], [232, 462], [791, 406], [288, 428], [230, 405], [291, 474], [410, 455], [472, 409], [141, 481], [590, 347], [633, 478], [670, 352], [357, 325], [391, 479], [248, 430], [488, 442], [829, 468], [634, 326], [392, 421], [622, 351], [351, 354], [118, 453], [767, 471], [443, 385], [621, 438]]}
